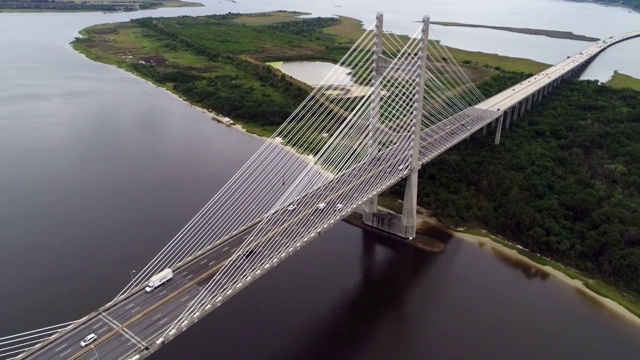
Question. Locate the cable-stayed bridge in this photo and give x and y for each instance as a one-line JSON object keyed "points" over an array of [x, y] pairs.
{"points": [[404, 103]]}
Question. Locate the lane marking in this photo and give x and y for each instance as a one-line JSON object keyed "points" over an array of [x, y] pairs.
{"points": [[135, 309], [128, 306], [189, 276], [185, 298], [157, 316], [61, 355], [123, 330], [61, 347], [163, 320], [213, 262], [184, 273], [225, 248], [204, 262], [234, 249], [103, 329], [163, 292], [100, 323]]}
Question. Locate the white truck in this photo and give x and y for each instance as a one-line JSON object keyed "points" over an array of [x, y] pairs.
{"points": [[159, 279]]}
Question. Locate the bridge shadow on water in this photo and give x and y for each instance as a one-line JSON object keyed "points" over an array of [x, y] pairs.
{"points": [[311, 307], [385, 286]]}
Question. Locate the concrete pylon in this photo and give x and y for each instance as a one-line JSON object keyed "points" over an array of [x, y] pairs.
{"points": [[508, 112], [499, 130], [410, 205], [371, 206]]}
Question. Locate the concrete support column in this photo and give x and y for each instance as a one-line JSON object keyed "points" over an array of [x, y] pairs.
{"points": [[508, 112], [521, 105], [528, 102], [410, 205], [371, 206], [484, 130], [499, 130]]}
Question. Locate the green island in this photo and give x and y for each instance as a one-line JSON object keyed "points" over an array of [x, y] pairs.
{"points": [[563, 183], [549, 33], [89, 5]]}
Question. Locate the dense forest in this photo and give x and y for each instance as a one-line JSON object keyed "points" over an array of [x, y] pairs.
{"points": [[564, 182]]}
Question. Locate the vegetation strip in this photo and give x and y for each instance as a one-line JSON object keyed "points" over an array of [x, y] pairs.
{"points": [[549, 33]]}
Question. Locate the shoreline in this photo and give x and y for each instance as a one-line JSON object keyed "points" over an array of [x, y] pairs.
{"points": [[556, 34], [608, 304], [425, 220]]}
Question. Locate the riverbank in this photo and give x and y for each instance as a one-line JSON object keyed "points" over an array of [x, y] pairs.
{"points": [[90, 5], [623, 306], [621, 81], [528, 31]]}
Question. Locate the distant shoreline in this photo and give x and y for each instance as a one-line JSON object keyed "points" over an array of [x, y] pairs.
{"points": [[104, 6], [548, 33]]}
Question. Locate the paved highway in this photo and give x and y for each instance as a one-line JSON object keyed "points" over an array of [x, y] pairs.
{"points": [[515, 94]]}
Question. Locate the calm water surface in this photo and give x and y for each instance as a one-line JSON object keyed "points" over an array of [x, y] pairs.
{"points": [[99, 169]]}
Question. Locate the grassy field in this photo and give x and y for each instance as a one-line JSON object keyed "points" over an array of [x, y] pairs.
{"points": [[507, 63], [621, 80]]}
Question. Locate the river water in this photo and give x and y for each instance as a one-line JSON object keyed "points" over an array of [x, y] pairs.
{"points": [[99, 169]]}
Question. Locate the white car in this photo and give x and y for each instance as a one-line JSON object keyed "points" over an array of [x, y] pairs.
{"points": [[322, 206], [338, 207], [291, 207], [88, 340]]}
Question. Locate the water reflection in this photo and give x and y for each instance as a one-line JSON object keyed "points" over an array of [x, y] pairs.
{"points": [[316, 72], [529, 271], [383, 289]]}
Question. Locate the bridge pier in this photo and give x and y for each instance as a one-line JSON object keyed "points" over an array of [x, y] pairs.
{"points": [[521, 108], [499, 130], [509, 113]]}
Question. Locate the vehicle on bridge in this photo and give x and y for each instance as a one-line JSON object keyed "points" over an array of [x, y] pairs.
{"points": [[88, 340], [159, 279]]}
